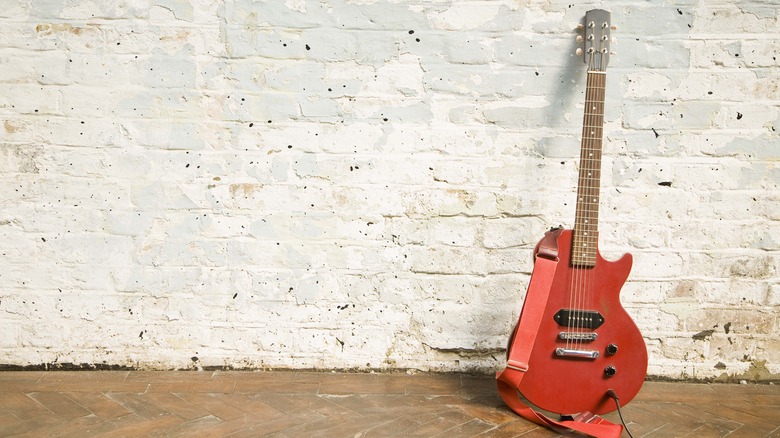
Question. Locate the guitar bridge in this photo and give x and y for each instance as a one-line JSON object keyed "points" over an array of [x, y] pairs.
{"points": [[584, 354], [573, 336]]}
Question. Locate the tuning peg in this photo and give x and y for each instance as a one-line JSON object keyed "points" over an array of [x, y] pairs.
{"points": [[578, 52], [579, 38], [612, 53], [580, 27], [613, 27]]}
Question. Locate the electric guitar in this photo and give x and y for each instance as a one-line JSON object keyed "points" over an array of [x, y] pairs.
{"points": [[587, 350]]}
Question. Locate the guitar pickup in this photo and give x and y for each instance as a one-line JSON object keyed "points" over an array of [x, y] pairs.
{"points": [[573, 336], [579, 318], [584, 354]]}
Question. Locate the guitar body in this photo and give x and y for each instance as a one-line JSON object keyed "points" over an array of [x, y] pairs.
{"points": [[569, 384]]}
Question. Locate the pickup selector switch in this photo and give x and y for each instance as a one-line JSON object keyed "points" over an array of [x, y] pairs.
{"points": [[611, 349]]}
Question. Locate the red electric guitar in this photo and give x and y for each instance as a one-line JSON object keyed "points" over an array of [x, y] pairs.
{"points": [[575, 350]]}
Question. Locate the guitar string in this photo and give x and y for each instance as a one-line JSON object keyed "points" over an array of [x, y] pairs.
{"points": [[600, 91], [593, 187], [587, 174], [586, 198], [579, 226], [594, 170], [574, 287], [588, 195]]}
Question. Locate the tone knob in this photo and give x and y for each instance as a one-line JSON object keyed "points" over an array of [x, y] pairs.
{"points": [[611, 349], [610, 371]]}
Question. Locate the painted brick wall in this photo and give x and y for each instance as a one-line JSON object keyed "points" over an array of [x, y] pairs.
{"points": [[359, 184]]}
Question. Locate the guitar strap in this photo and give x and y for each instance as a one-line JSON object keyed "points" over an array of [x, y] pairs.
{"points": [[521, 344]]}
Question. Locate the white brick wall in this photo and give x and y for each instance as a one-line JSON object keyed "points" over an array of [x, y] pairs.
{"points": [[359, 184]]}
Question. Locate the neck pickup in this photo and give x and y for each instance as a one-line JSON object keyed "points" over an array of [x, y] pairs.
{"points": [[588, 319]]}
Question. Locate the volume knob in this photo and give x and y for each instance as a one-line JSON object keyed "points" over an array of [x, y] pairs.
{"points": [[611, 349], [610, 371]]}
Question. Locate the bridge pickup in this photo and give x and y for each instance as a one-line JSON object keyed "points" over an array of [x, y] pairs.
{"points": [[573, 336], [584, 354], [579, 318]]}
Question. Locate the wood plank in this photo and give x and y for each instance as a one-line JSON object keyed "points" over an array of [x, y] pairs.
{"points": [[60, 405]]}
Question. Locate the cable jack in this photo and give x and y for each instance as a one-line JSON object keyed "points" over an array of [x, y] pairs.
{"points": [[614, 396]]}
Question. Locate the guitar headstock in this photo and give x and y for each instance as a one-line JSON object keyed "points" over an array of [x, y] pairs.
{"points": [[595, 39]]}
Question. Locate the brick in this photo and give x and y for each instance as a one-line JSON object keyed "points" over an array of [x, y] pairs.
{"points": [[655, 20], [748, 18], [10, 338], [454, 231]]}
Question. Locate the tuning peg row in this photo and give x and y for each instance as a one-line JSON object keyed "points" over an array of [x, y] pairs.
{"points": [[580, 27], [579, 52]]}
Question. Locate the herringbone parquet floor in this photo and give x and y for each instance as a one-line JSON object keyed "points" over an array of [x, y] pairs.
{"points": [[302, 404]]}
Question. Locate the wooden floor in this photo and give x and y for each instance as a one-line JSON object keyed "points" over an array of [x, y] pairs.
{"points": [[302, 404]]}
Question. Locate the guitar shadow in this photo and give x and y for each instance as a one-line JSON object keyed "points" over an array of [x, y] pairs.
{"points": [[570, 88]]}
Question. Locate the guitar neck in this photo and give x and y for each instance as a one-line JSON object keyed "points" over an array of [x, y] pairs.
{"points": [[586, 220]]}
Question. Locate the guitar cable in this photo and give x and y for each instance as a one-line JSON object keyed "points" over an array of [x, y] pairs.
{"points": [[614, 396]]}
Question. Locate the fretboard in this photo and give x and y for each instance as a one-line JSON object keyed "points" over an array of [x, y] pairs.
{"points": [[586, 220]]}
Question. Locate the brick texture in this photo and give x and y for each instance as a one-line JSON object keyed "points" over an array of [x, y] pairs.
{"points": [[359, 184]]}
